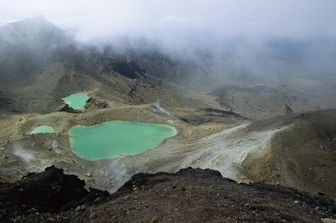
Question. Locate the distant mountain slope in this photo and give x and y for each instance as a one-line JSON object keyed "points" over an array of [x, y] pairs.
{"points": [[302, 157], [26, 47], [36, 56], [33, 32], [279, 77]]}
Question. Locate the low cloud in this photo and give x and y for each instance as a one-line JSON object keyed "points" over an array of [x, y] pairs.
{"points": [[259, 18]]}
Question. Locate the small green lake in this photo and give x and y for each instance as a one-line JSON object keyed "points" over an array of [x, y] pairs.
{"points": [[43, 129], [114, 138], [76, 101]]}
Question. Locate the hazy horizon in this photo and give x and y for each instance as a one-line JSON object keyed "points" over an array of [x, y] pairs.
{"points": [[267, 40], [179, 22]]}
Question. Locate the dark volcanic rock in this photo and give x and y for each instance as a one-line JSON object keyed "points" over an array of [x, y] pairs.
{"points": [[207, 114], [288, 109], [49, 191], [126, 68], [190, 195], [67, 108], [96, 103], [147, 180], [220, 112]]}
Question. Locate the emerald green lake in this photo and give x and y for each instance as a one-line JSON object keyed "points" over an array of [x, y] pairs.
{"points": [[115, 138], [43, 129], [76, 101]]}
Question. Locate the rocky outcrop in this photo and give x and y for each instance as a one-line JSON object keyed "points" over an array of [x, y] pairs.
{"points": [[47, 192], [95, 103], [207, 114], [220, 112], [67, 108], [126, 68]]}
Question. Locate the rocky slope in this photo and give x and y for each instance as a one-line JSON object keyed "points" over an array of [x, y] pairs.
{"points": [[302, 157], [50, 191], [190, 195]]}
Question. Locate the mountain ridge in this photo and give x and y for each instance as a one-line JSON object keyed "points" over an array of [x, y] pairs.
{"points": [[189, 195]]}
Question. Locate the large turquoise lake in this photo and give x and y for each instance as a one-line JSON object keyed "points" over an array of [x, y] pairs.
{"points": [[76, 101], [114, 138]]}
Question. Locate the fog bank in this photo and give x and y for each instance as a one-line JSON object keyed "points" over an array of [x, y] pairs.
{"points": [[182, 22]]}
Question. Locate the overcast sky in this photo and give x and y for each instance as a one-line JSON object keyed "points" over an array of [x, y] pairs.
{"points": [[97, 18]]}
